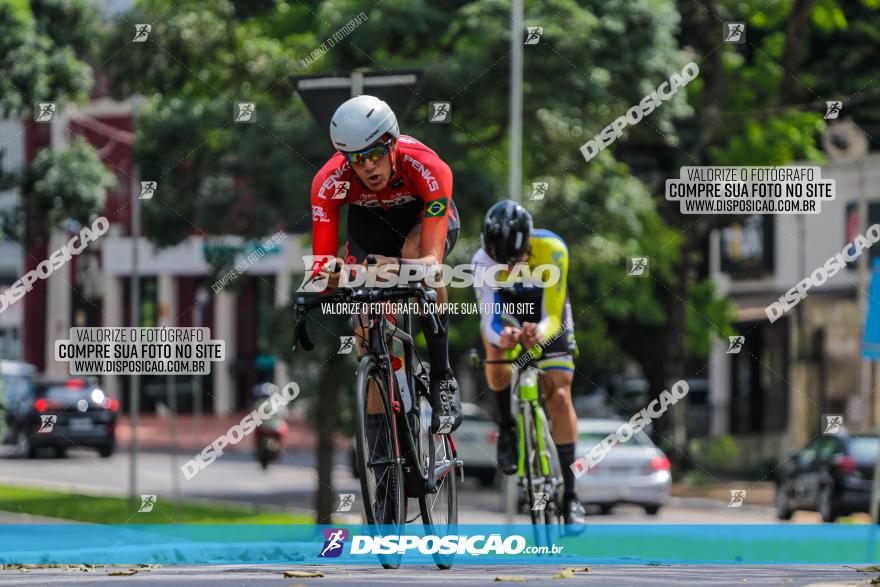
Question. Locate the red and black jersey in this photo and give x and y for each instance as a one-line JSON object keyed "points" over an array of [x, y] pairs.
{"points": [[421, 186]]}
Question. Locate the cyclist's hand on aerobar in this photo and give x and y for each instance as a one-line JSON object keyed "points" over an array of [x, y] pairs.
{"points": [[381, 260], [388, 264], [332, 272], [509, 338], [529, 336]]}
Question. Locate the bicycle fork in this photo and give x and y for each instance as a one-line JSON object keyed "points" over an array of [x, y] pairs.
{"points": [[528, 394]]}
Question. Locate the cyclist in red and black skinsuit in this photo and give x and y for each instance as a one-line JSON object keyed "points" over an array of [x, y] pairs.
{"points": [[400, 210]]}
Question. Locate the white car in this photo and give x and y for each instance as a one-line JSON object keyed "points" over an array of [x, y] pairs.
{"points": [[635, 471]]}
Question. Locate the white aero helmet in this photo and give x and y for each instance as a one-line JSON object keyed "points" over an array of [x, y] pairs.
{"points": [[360, 122]]}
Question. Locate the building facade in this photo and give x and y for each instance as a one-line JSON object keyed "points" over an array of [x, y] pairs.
{"points": [[772, 395]]}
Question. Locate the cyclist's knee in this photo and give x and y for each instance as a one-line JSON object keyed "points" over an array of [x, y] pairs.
{"points": [[559, 398], [498, 377]]}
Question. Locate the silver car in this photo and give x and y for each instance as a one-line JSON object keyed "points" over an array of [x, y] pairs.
{"points": [[634, 472], [476, 441]]}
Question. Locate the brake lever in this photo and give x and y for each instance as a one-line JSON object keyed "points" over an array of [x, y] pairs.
{"points": [[429, 296], [300, 335]]}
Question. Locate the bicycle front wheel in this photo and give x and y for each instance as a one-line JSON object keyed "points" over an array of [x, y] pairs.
{"points": [[534, 477], [553, 482], [378, 453], [439, 508]]}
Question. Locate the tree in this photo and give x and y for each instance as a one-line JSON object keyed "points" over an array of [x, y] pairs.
{"points": [[44, 48]]}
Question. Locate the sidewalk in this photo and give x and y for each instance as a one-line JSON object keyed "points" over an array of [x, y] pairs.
{"points": [[16, 518], [154, 432], [760, 493]]}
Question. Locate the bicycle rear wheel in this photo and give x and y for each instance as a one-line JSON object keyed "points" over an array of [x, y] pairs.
{"points": [[439, 509], [378, 454]]}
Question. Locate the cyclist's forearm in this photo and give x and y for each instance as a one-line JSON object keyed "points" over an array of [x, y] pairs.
{"points": [[426, 260], [549, 327]]}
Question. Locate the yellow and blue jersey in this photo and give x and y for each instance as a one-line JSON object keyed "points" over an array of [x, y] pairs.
{"points": [[549, 306]]}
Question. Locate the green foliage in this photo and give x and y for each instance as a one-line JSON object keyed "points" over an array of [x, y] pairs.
{"points": [[44, 49], [44, 45], [716, 453], [57, 186], [118, 510]]}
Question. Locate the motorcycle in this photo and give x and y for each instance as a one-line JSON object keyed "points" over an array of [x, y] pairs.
{"points": [[270, 439], [270, 433]]}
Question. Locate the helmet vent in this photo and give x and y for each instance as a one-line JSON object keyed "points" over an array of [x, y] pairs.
{"points": [[370, 113]]}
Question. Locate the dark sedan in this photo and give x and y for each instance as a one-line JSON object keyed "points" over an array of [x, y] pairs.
{"points": [[832, 475], [59, 415]]}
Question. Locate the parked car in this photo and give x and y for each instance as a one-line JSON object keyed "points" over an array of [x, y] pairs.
{"points": [[635, 471], [13, 376], [61, 414], [475, 441], [832, 475]]}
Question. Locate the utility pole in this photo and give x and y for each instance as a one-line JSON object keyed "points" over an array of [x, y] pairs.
{"points": [[514, 187], [135, 299]]}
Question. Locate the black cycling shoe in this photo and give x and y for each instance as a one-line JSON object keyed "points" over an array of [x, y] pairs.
{"points": [[445, 404], [507, 450], [574, 512]]}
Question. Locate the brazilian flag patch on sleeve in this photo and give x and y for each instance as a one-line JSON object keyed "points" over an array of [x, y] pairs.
{"points": [[436, 207]]}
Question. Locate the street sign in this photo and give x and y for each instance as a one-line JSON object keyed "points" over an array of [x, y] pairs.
{"points": [[324, 93], [871, 341]]}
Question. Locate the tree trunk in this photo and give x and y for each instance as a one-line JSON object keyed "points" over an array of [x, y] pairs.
{"points": [[795, 51], [326, 422], [676, 416]]}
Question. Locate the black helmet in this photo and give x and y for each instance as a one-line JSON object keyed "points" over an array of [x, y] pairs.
{"points": [[506, 231]]}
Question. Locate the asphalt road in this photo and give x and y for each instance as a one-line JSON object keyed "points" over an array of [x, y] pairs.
{"points": [[290, 485], [464, 575]]}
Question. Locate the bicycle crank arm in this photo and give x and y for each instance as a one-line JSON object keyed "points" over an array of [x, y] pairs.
{"points": [[444, 470]]}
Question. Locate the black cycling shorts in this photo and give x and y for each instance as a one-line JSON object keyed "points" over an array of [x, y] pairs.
{"points": [[378, 231]]}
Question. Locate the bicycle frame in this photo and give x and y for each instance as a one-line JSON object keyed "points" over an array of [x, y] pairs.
{"points": [[380, 330], [526, 382]]}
